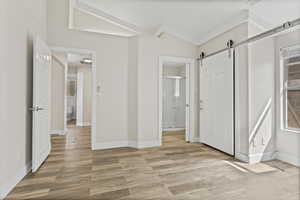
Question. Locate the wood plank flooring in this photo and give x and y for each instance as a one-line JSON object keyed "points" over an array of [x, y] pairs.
{"points": [[175, 171]]}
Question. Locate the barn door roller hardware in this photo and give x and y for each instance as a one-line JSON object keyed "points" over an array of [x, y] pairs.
{"points": [[229, 45], [286, 26], [202, 56]]}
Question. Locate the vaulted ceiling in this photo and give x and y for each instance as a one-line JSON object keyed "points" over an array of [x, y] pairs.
{"points": [[191, 20]]}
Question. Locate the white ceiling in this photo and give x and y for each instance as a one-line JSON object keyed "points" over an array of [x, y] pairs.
{"points": [[195, 21], [277, 12], [188, 19]]}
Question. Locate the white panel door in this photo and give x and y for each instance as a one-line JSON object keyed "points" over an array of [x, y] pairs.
{"points": [[169, 109], [181, 104], [174, 104], [187, 102], [41, 142], [216, 102]]}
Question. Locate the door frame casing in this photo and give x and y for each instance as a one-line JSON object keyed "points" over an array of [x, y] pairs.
{"points": [[94, 87], [190, 62]]}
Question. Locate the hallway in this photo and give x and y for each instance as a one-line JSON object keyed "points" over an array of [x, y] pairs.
{"points": [[175, 171]]}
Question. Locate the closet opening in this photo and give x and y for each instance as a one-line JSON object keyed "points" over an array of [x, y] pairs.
{"points": [[175, 100]]}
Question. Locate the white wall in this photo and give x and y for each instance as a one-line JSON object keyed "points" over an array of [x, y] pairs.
{"points": [[287, 143], [111, 72], [122, 75], [20, 22], [59, 63], [261, 98], [150, 48], [275, 12], [257, 124], [84, 96], [279, 12], [132, 89]]}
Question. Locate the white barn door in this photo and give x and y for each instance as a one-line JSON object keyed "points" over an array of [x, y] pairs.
{"points": [[41, 143], [217, 102]]}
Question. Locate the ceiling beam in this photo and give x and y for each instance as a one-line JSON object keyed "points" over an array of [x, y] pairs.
{"points": [[91, 10]]}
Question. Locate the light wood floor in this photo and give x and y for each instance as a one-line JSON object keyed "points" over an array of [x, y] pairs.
{"points": [[175, 171]]}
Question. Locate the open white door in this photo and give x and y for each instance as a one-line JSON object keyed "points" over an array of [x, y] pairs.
{"points": [[41, 143], [216, 102], [187, 101]]}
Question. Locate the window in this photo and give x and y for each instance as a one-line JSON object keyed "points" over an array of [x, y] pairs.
{"points": [[290, 77], [177, 87]]}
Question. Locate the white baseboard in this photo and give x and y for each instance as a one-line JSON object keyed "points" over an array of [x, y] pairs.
{"points": [[174, 129], [109, 145], [57, 132], [148, 144], [133, 144], [286, 157], [261, 157], [242, 157], [255, 158], [195, 140], [84, 124], [143, 144], [120, 144], [13, 181]]}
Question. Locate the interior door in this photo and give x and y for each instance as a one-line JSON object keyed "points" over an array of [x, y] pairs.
{"points": [[168, 103], [187, 101], [41, 144], [216, 102]]}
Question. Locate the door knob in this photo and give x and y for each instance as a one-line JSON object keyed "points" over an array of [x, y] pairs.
{"points": [[36, 108]]}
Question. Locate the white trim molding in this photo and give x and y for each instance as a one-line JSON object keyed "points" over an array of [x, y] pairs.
{"points": [[148, 144], [57, 132], [7, 187], [92, 10], [261, 157], [95, 85], [196, 140], [289, 158], [130, 144], [255, 158], [109, 145], [190, 119], [242, 157]]}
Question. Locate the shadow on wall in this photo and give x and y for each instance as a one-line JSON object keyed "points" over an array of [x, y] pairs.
{"points": [[29, 97]]}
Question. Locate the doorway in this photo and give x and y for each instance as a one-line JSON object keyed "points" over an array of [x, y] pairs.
{"points": [[176, 101], [79, 90], [73, 95]]}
